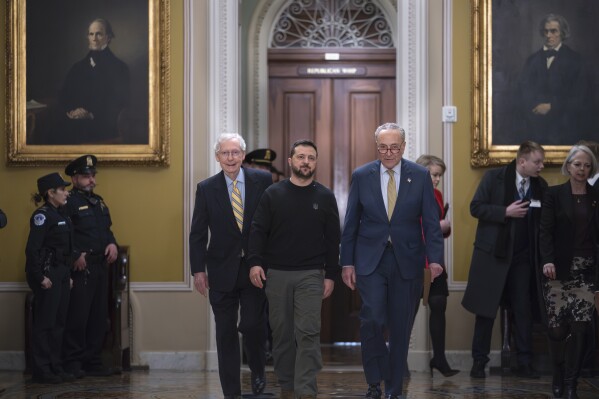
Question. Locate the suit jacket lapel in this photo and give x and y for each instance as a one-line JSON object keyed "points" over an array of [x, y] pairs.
{"points": [[404, 185], [251, 197], [374, 177], [565, 194]]}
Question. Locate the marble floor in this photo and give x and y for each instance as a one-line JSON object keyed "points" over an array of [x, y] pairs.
{"points": [[341, 378]]}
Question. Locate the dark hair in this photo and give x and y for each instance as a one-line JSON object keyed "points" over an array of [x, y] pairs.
{"points": [[528, 147], [38, 198], [305, 142], [564, 27]]}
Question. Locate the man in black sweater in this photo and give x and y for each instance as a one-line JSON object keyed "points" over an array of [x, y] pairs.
{"points": [[295, 237]]}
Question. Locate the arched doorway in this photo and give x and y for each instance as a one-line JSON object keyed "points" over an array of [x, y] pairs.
{"points": [[331, 79]]}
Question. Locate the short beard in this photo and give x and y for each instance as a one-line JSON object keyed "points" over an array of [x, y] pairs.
{"points": [[298, 172]]}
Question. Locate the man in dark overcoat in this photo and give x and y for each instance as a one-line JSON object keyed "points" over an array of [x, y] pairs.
{"points": [[507, 205]]}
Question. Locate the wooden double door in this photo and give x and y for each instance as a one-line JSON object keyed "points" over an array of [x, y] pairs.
{"points": [[338, 105]]}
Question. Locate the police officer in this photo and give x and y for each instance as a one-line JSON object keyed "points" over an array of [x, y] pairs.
{"points": [[95, 248], [48, 253], [262, 158]]}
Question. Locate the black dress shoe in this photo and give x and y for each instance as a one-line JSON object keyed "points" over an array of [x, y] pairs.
{"points": [[478, 369], [392, 397], [526, 371], [99, 371], [374, 392], [47, 378], [232, 396], [258, 384], [77, 373]]}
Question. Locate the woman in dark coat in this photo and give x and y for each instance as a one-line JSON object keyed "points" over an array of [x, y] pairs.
{"points": [[48, 275], [569, 236]]}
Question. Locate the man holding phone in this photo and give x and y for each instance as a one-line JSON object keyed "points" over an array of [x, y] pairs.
{"points": [[507, 205]]}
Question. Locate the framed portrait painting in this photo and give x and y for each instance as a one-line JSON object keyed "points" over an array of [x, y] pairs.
{"points": [[535, 77], [88, 76]]}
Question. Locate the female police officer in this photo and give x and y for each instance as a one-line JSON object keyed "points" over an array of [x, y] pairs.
{"points": [[48, 275]]}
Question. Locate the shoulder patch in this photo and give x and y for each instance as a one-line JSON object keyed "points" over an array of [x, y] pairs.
{"points": [[39, 219]]}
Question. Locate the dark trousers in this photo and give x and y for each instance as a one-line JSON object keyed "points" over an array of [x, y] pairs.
{"points": [[517, 294], [388, 302], [49, 318], [87, 320], [252, 322]]}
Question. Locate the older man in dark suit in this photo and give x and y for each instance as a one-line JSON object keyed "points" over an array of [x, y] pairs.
{"points": [[224, 206], [507, 205], [391, 229]]}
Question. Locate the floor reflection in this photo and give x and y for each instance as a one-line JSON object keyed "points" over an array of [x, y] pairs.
{"points": [[341, 378]]}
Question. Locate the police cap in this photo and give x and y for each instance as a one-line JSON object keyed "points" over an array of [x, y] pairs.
{"points": [[53, 180], [262, 156], [83, 165]]}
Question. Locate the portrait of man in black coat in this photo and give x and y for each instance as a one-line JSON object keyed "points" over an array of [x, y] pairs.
{"points": [[554, 98], [95, 93]]}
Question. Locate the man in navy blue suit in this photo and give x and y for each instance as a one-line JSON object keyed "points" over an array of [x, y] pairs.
{"points": [[391, 229], [219, 263]]}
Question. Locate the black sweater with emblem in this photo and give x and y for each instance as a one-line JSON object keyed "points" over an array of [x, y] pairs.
{"points": [[296, 228]]}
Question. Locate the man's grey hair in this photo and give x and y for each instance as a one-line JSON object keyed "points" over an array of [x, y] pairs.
{"points": [[564, 27], [107, 27], [228, 137], [389, 126], [575, 150]]}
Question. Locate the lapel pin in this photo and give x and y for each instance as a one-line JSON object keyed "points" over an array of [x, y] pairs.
{"points": [[409, 180]]}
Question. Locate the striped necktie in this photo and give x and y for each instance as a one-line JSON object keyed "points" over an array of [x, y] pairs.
{"points": [[391, 193], [237, 205], [521, 190]]}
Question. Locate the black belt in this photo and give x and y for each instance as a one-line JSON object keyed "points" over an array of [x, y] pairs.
{"points": [[94, 257]]}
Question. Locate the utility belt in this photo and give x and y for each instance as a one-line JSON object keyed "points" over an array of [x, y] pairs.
{"points": [[50, 258], [94, 257]]}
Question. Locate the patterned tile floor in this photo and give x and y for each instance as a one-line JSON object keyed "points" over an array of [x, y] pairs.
{"points": [[341, 378]]}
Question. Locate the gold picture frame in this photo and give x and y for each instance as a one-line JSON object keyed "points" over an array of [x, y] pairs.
{"points": [[493, 142], [150, 146]]}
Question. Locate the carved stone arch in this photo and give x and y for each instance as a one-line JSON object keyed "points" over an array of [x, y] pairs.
{"points": [[260, 30]]}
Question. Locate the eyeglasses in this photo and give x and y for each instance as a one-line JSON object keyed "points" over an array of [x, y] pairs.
{"points": [[234, 153], [580, 165], [395, 149]]}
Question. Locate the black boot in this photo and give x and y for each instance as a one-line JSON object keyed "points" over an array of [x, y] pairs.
{"points": [[437, 305], [557, 349], [575, 349]]}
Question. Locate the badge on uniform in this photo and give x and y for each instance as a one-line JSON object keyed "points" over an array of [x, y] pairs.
{"points": [[39, 219], [84, 207], [315, 206]]}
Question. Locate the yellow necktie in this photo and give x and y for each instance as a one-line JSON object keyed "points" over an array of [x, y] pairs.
{"points": [[237, 205], [391, 193]]}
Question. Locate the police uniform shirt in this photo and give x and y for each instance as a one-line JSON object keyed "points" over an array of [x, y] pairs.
{"points": [[50, 229], [91, 221]]}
